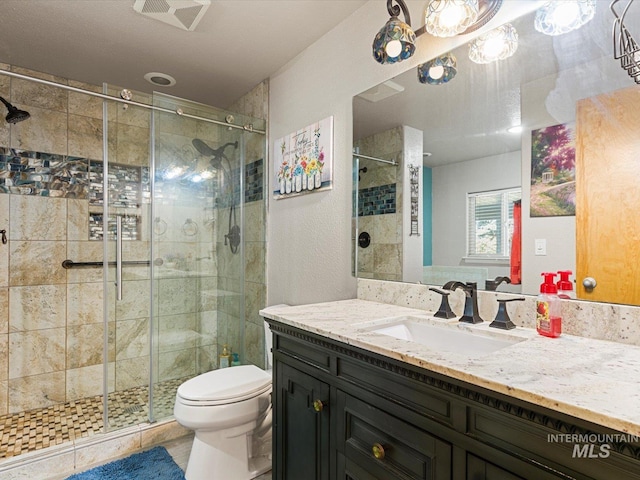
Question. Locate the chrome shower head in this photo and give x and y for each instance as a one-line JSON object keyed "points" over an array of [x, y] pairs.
{"points": [[15, 115]]}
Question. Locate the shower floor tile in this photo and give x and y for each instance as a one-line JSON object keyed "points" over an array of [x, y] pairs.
{"points": [[37, 429]]}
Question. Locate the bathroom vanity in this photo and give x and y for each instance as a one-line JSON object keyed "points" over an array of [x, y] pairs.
{"points": [[352, 401]]}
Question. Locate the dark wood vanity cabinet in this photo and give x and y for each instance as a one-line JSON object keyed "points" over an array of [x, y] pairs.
{"points": [[302, 415], [341, 412]]}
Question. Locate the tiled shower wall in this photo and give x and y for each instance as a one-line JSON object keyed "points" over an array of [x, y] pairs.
{"points": [[380, 206], [51, 327]]}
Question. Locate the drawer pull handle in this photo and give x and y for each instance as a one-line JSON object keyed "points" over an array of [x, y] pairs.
{"points": [[318, 405], [378, 451]]}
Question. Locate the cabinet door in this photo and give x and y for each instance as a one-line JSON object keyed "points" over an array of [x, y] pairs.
{"points": [[378, 445], [301, 426]]}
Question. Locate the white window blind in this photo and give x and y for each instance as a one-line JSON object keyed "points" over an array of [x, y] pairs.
{"points": [[490, 222]]}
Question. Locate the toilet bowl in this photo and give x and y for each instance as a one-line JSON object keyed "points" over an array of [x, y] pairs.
{"points": [[230, 411]]}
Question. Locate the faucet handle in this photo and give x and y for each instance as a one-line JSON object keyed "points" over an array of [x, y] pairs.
{"points": [[444, 311], [502, 319]]}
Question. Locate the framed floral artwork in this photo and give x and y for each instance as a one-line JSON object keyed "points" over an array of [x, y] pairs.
{"points": [[553, 171], [303, 160]]}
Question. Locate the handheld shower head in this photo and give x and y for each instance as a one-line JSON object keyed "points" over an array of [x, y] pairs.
{"points": [[15, 115]]}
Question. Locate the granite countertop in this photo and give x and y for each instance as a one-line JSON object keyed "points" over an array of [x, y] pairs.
{"points": [[596, 380]]}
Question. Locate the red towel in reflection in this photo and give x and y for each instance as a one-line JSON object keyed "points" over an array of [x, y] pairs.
{"points": [[516, 244]]}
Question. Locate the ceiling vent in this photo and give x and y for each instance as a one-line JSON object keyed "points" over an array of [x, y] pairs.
{"points": [[382, 91], [184, 14]]}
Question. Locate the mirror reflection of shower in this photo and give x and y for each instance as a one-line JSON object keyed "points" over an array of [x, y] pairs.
{"points": [[232, 237]]}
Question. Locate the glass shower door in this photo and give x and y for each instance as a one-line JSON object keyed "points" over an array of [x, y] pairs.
{"points": [[197, 238], [126, 222], [176, 245]]}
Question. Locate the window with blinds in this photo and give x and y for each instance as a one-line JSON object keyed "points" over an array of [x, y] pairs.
{"points": [[490, 222]]}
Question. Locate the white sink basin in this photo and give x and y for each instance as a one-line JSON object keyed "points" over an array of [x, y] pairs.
{"points": [[440, 336]]}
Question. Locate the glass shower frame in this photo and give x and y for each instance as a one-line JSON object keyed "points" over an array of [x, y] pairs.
{"points": [[80, 368], [196, 301]]}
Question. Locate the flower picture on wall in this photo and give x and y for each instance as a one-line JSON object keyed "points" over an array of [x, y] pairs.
{"points": [[303, 160], [553, 171]]}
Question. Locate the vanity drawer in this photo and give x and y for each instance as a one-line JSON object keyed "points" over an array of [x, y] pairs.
{"points": [[387, 447], [526, 439], [306, 353], [404, 391]]}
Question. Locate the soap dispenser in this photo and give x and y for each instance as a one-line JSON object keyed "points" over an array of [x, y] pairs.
{"points": [[548, 315], [225, 357], [565, 286]]}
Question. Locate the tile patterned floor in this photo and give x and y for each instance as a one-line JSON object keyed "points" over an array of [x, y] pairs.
{"points": [[37, 429]]}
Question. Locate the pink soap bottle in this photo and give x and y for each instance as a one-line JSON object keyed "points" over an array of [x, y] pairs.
{"points": [[548, 314], [565, 286]]}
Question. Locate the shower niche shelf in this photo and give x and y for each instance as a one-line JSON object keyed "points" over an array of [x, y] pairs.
{"points": [[128, 191]]}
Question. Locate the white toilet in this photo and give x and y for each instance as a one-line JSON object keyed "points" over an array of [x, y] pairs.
{"points": [[230, 411]]}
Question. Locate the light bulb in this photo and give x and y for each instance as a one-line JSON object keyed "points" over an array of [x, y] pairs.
{"points": [[447, 18], [566, 13], [451, 16], [493, 47], [393, 48], [497, 44], [558, 17], [436, 72]]}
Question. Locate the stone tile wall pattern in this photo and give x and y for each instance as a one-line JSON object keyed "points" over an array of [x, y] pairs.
{"points": [[379, 206], [53, 174]]}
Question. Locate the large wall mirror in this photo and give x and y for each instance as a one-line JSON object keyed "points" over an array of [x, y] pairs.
{"points": [[570, 97]]}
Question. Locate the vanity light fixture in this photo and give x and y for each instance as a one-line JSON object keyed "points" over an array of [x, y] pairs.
{"points": [[625, 47], [396, 41], [448, 18], [561, 16], [439, 70], [497, 44]]}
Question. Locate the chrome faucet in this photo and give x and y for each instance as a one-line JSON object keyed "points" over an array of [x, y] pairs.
{"points": [[471, 313]]}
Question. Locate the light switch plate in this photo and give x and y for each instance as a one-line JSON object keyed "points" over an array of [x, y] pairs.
{"points": [[541, 246]]}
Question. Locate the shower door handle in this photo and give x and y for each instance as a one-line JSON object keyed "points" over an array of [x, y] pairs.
{"points": [[119, 257]]}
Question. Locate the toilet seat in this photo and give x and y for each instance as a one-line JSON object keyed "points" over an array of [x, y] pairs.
{"points": [[224, 386]]}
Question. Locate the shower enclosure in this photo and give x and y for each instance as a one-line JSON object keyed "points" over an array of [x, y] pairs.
{"points": [[135, 252]]}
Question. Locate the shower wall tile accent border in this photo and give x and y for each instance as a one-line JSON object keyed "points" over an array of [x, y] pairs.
{"points": [[377, 200], [42, 174], [25, 172], [254, 181]]}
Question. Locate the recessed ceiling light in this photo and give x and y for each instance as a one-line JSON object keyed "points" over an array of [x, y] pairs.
{"points": [[160, 79]]}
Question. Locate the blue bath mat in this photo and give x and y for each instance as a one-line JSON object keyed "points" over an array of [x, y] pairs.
{"points": [[154, 464]]}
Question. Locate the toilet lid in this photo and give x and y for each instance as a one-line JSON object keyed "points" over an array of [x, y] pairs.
{"points": [[225, 384]]}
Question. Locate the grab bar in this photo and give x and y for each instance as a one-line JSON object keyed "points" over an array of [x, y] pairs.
{"points": [[71, 264], [119, 256]]}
